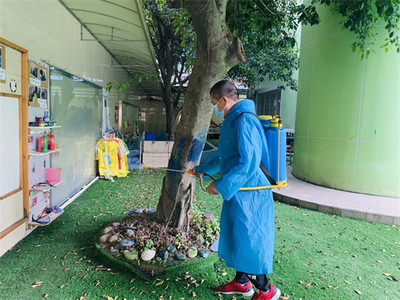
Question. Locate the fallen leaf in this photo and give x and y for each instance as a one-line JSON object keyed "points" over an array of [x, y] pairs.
{"points": [[159, 283], [36, 284], [391, 277], [327, 287], [348, 282]]}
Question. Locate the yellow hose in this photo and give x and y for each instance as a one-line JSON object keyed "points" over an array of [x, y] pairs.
{"points": [[278, 185], [257, 188]]}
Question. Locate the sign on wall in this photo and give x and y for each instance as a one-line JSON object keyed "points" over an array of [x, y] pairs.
{"points": [[2, 63], [38, 88]]}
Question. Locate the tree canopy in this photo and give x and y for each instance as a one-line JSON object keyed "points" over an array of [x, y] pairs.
{"points": [[267, 29]]}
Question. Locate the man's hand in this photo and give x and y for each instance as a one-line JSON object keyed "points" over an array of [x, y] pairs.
{"points": [[211, 189]]}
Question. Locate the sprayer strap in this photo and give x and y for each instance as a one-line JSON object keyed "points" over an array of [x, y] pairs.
{"points": [[262, 166]]}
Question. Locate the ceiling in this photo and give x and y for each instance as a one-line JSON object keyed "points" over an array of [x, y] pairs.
{"points": [[120, 27]]}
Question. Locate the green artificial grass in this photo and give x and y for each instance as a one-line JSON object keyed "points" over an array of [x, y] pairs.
{"points": [[317, 256]]}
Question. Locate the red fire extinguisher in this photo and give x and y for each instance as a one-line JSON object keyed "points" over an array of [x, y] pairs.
{"points": [[39, 144], [51, 141]]}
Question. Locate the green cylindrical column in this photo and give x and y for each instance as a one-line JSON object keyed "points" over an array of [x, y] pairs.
{"points": [[348, 112]]}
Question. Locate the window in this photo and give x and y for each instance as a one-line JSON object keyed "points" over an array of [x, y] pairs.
{"points": [[269, 103]]}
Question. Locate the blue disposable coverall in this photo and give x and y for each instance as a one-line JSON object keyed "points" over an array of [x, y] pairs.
{"points": [[247, 235]]}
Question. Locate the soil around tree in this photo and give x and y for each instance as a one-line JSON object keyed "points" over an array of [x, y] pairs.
{"points": [[149, 234]]}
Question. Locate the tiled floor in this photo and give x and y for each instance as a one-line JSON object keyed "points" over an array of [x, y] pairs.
{"points": [[353, 205]]}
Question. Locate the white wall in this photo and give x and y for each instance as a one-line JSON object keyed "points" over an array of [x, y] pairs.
{"points": [[51, 34]]}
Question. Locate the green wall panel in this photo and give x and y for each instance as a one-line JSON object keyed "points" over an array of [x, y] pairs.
{"points": [[347, 117], [380, 120], [319, 163], [304, 91], [378, 168], [299, 161]]}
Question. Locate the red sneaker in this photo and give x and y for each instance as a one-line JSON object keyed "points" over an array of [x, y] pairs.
{"points": [[235, 287], [273, 294]]}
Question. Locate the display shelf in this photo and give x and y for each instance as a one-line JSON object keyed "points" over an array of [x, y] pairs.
{"points": [[43, 153], [43, 187], [42, 128], [46, 220]]}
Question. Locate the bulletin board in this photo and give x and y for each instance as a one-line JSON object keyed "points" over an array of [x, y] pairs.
{"points": [[9, 150], [38, 87]]}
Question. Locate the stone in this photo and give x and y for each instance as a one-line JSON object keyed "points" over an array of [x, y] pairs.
{"points": [[113, 251], [204, 253], [104, 238], [130, 227], [131, 255], [108, 229], [114, 238], [163, 254], [207, 215], [179, 256], [192, 252], [127, 243], [214, 246], [148, 255], [116, 224], [130, 232], [171, 248]]}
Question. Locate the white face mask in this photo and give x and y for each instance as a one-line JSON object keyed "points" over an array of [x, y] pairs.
{"points": [[219, 113]]}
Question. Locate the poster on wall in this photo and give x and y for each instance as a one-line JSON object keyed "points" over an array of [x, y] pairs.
{"points": [[2, 63], [38, 86]]}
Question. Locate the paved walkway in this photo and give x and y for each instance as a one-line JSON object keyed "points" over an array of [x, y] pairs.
{"points": [[347, 204]]}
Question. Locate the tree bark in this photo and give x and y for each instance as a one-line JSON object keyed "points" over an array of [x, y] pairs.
{"points": [[218, 50]]}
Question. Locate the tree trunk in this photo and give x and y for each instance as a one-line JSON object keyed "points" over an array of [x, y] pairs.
{"points": [[217, 51]]}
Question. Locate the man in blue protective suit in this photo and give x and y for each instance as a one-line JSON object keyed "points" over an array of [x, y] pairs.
{"points": [[247, 236]]}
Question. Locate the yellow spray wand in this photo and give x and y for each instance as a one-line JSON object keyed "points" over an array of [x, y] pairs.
{"points": [[200, 175]]}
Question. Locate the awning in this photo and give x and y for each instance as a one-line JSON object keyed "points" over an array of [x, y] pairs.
{"points": [[120, 27]]}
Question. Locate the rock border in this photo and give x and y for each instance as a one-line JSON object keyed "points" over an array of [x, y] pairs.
{"points": [[150, 270]]}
